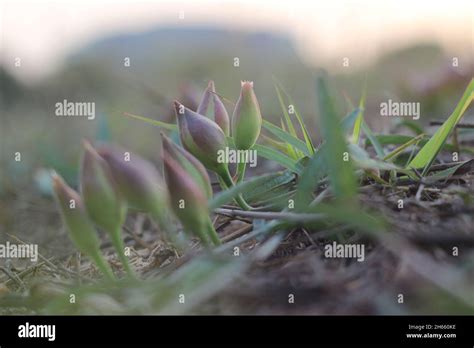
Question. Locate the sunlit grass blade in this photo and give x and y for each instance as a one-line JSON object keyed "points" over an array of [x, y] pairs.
{"points": [[309, 143], [397, 139], [169, 126], [291, 128], [341, 174], [360, 117], [286, 137], [290, 149], [393, 154], [426, 156], [348, 121], [280, 158], [279, 145]]}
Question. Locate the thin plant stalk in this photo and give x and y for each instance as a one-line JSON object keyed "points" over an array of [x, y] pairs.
{"points": [[228, 182], [119, 246]]}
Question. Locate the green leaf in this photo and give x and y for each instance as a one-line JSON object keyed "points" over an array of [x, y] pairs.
{"points": [[289, 124], [169, 126], [428, 153], [361, 159], [375, 143], [348, 121], [292, 152], [314, 171], [278, 145], [280, 158], [360, 117], [287, 137], [394, 139], [341, 174], [392, 155], [446, 173], [276, 186], [262, 183], [309, 143]]}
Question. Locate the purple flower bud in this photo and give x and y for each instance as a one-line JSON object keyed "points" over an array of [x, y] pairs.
{"points": [[138, 181], [81, 229], [188, 200], [246, 119], [218, 111], [201, 137], [102, 199], [189, 164]]}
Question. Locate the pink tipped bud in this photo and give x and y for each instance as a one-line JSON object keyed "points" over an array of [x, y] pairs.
{"points": [[210, 100], [138, 181], [188, 200], [80, 228], [188, 163], [102, 199], [201, 137]]}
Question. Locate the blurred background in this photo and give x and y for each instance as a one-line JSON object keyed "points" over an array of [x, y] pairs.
{"points": [[137, 56]]}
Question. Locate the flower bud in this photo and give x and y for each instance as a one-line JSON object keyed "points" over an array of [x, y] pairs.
{"points": [[138, 181], [189, 164], [102, 200], [246, 119], [81, 229], [218, 111], [188, 200], [201, 137]]}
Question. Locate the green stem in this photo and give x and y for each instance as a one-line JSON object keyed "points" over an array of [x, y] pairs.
{"points": [[102, 265], [212, 233], [227, 179], [119, 247], [241, 171]]}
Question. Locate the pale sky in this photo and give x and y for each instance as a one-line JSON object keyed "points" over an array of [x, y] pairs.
{"points": [[42, 33]]}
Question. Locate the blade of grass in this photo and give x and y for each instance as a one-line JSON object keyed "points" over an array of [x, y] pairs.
{"points": [[274, 155], [360, 117], [375, 143], [314, 171], [446, 173], [263, 183], [401, 148], [169, 126], [291, 150], [286, 137], [341, 174], [289, 124], [426, 156], [309, 143], [278, 145]]}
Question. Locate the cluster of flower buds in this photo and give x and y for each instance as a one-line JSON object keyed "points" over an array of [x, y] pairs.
{"points": [[204, 138], [112, 179]]}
